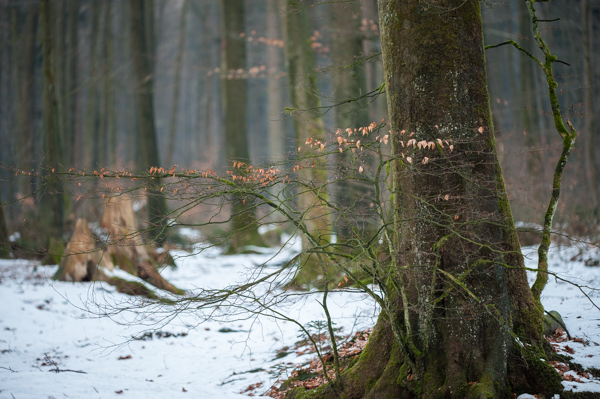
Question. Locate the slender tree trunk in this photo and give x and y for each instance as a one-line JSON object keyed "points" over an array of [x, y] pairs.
{"points": [[25, 100], [589, 120], [211, 106], [104, 79], [349, 84], [176, 86], [530, 116], [142, 50], [71, 81], [446, 330], [58, 29], [373, 69], [349, 80], [109, 78], [52, 200], [4, 243], [301, 65], [234, 92], [91, 114], [274, 86]]}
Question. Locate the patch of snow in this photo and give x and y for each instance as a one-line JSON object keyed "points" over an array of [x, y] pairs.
{"points": [[45, 322], [265, 228], [189, 233], [526, 396], [46, 325]]}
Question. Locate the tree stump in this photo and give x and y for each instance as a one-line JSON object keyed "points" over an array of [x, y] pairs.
{"points": [[121, 245]]}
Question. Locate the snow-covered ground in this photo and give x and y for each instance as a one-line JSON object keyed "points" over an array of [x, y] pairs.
{"points": [[43, 322], [581, 317], [44, 327]]}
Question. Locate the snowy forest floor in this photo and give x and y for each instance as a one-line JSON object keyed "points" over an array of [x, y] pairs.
{"points": [[51, 347]]}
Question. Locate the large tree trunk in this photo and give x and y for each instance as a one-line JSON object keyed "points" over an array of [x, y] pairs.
{"points": [[142, 49], [456, 289], [234, 91]]}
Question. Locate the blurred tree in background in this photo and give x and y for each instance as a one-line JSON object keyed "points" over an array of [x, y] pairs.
{"points": [[125, 84]]}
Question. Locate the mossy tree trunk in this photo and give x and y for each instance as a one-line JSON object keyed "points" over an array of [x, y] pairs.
{"points": [[234, 92], [457, 296], [143, 53], [304, 95]]}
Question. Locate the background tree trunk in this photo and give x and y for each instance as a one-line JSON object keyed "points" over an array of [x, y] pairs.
{"points": [[4, 243], [304, 95], [91, 113], [25, 100], [71, 77], [274, 85], [109, 79], [234, 89], [53, 200], [176, 86], [589, 120], [349, 83], [530, 116], [142, 50]]}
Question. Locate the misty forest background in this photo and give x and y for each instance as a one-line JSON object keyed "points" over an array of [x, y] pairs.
{"points": [[217, 77]]}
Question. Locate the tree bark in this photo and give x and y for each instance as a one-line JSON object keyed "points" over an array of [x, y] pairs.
{"points": [[456, 290], [234, 92], [142, 50]]}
